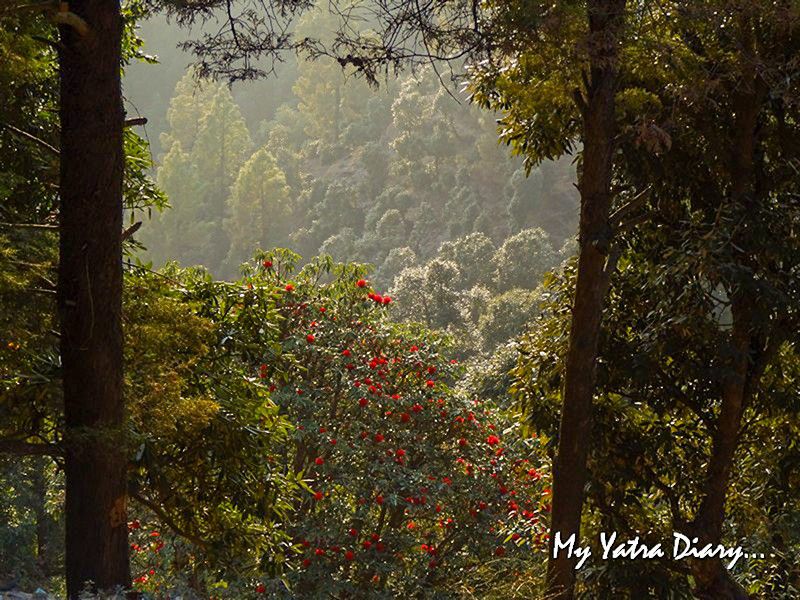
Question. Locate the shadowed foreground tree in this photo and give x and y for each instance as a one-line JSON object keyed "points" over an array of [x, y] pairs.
{"points": [[577, 105], [90, 295], [711, 306]]}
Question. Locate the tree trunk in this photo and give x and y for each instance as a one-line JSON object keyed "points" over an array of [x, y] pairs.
{"points": [[713, 580], [90, 297], [569, 472]]}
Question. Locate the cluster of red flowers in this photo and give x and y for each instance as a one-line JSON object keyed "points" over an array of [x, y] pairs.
{"points": [[389, 447], [146, 547]]}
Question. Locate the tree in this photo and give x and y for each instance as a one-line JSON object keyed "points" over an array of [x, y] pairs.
{"points": [[523, 259], [696, 349], [223, 145], [208, 144], [474, 253], [506, 315], [90, 295], [586, 115], [405, 473], [257, 207], [190, 103]]}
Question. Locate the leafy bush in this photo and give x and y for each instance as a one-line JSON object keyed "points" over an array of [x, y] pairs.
{"points": [[411, 487]]}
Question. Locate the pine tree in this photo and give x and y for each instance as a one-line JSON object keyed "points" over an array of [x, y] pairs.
{"points": [[257, 208]]}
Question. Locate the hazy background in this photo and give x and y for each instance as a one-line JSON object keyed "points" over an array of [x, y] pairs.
{"points": [[406, 177]]}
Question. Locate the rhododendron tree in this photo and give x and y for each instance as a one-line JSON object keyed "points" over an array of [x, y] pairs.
{"points": [[412, 485], [314, 446]]}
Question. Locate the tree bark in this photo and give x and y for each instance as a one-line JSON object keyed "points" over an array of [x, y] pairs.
{"points": [[713, 580], [569, 473], [90, 297]]}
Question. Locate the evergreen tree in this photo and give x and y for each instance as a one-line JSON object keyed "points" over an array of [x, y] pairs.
{"points": [[257, 208]]}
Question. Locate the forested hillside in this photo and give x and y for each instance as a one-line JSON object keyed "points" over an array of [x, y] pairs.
{"points": [[337, 166]]}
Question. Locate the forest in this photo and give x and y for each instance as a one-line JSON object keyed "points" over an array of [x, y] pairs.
{"points": [[388, 299]]}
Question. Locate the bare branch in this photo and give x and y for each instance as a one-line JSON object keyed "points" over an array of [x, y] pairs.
{"points": [[31, 137]]}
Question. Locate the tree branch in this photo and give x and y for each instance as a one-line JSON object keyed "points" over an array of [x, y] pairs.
{"points": [[167, 520], [135, 121], [29, 226], [32, 138], [22, 448]]}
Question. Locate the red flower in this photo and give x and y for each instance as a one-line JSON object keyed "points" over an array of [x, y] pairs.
{"points": [[430, 383], [306, 563], [386, 299], [499, 551], [345, 352], [413, 349], [462, 442], [361, 283], [310, 338], [318, 495], [319, 552], [400, 452], [492, 440], [289, 287], [379, 437], [267, 264], [363, 402], [379, 499], [261, 588], [367, 544], [353, 532], [319, 460], [349, 555]]}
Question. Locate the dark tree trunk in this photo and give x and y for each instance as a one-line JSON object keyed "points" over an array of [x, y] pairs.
{"points": [[90, 293], [713, 580], [569, 473]]}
